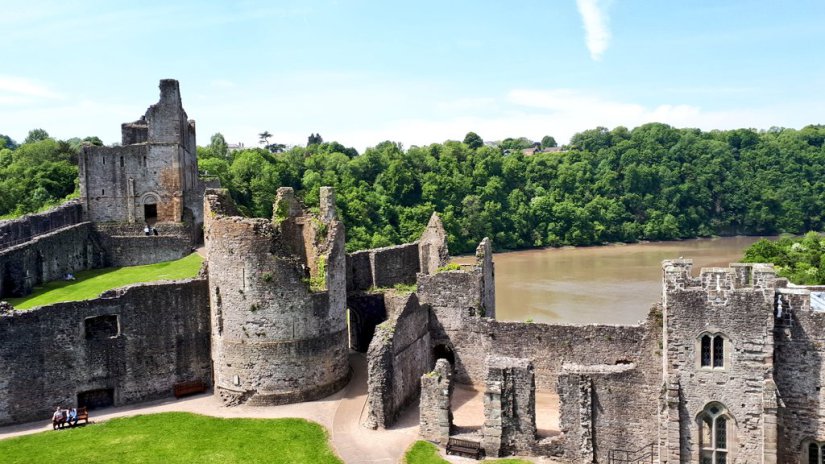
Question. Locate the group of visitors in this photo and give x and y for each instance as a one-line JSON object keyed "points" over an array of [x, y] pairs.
{"points": [[149, 230], [63, 417]]}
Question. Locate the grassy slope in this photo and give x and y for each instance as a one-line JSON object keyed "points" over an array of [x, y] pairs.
{"points": [[424, 452], [177, 438], [90, 284]]}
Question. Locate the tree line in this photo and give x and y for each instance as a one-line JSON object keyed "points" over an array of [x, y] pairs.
{"points": [[654, 182]]}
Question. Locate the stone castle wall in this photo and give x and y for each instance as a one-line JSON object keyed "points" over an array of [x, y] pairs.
{"points": [[17, 231], [509, 407], [799, 342], [605, 408], [278, 299], [137, 342], [550, 346], [127, 245], [436, 415], [457, 300], [383, 267], [398, 356], [84, 246], [49, 257]]}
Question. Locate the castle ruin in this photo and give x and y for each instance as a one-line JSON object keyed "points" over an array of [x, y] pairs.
{"points": [[727, 368]]}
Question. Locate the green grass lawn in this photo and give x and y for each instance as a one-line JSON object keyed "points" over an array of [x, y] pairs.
{"points": [[90, 284], [176, 437], [424, 452]]}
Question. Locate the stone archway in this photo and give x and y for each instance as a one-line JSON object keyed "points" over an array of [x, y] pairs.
{"points": [[150, 202], [443, 352], [365, 312]]}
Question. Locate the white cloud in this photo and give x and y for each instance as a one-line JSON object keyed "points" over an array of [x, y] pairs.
{"points": [[22, 87], [562, 113], [596, 30]]}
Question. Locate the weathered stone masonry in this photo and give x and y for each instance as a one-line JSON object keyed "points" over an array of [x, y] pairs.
{"points": [[131, 344], [278, 296], [153, 175], [399, 354]]}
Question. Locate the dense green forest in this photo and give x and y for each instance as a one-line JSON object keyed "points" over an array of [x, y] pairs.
{"points": [[650, 183], [38, 173], [800, 259], [654, 182]]}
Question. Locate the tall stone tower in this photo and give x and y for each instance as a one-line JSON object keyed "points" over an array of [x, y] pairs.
{"points": [[153, 176], [278, 300], [718, 365]]}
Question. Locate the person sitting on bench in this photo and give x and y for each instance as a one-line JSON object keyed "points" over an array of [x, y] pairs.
{"points": [[72, 417], [57, 418]]}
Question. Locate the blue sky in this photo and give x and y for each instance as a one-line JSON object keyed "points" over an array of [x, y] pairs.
{"points": [[361, 72]]}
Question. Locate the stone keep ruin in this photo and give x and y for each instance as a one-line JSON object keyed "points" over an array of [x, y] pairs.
{"points": [[727, 368], [153, 176]]}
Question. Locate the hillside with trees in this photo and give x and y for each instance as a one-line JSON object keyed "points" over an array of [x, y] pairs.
{"points": [[654, 182]]}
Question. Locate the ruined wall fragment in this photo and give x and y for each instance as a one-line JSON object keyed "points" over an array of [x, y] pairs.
{"points": [[436, 416], [509, 407], [398, 356]]}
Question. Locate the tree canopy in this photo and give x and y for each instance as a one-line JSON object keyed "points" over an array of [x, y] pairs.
{"points": [[654, 182], [39, 173], [801, 260], [473, 141]]}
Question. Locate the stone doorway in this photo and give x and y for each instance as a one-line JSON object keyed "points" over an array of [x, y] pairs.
{"points": [[96, 399], [364, 313], [150, 213]]}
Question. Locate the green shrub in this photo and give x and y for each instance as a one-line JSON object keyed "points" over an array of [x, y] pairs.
{"points": [[449, 267]]}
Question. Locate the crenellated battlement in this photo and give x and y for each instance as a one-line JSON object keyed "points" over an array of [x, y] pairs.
{"points": [[717, 282]]}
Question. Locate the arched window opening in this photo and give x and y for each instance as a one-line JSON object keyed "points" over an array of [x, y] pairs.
{"points": [[816, 453], [712, 351], [713, 434]]}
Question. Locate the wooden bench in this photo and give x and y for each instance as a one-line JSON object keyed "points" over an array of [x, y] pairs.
{"points": [[82, 415], [189, 388], [466, 448]]}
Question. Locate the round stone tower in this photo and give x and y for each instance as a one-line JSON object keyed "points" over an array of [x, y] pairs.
{"points": [[278, 300]]}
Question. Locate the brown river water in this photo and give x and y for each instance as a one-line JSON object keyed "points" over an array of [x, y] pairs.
{"points": [[614, 284]]}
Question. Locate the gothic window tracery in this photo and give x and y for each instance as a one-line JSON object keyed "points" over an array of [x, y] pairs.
{"points": [[714, 429], [712, 351]]}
